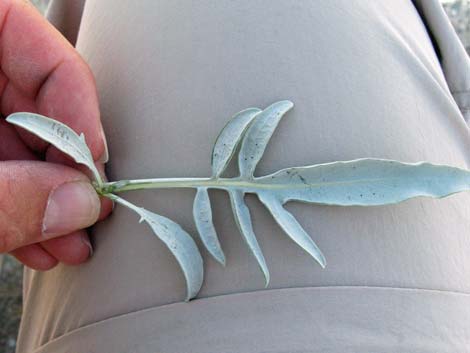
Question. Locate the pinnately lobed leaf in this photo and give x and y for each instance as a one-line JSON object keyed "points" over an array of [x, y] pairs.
{"points": [[202, 214], [363, 182], [360, 182], [59, 135], [228, 139], [257, 136], [178, 241]]}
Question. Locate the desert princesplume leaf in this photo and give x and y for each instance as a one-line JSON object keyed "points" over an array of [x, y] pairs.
{"points": [[228, 139], [257, 136], [364, 182], [178, 241], [292, 228], [359, 182], [59, 135], [243, 221], [202, 214]]}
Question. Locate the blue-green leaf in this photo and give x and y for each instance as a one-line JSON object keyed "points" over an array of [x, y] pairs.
{"points": [[178, 241], [364, 182], [59, 135], [228, 139], [243, 220], [292, 228], [257, 136], [202, 213]]}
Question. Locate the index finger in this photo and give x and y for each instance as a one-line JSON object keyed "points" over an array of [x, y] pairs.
{"points": [[43, 73]]}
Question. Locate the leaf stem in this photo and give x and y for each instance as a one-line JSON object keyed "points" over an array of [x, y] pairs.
{"points": [[124, 202], [168, 183]]}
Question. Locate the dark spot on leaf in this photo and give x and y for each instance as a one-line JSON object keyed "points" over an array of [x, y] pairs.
{"points": [[303, 179]]}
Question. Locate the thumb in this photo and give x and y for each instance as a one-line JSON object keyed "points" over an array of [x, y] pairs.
{"points": [[40, 200]]}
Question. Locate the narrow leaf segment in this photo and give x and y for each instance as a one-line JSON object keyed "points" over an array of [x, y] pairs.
{"points": [[59, 135], [178, 241], [292, 228], [257, 136], [228, 139], [202, 214], [243, 220]]}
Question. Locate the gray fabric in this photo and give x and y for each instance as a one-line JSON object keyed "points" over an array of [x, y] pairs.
{"points": [[66, 15], [366, 82], [286, 320], [453, 58]]}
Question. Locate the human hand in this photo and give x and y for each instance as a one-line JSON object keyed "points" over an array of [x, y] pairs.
{"points": [[46, 200]]}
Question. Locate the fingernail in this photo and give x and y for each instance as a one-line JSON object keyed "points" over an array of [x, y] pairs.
{"points": [[105, 156], [86, 241], [71, 206]]}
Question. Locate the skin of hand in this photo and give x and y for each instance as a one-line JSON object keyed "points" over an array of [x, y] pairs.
{"points": [[46, 200]]}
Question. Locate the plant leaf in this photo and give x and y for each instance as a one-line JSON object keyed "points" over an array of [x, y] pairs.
{"points": [[243, 220], [228, 139], [257, 136], [364, 182], [59, 135], [202, 213], [292, 228], [180, 243], [182, 246]]}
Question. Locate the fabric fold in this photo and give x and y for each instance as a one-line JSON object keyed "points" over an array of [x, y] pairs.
{"points": [[453, 58], [312, 319]]}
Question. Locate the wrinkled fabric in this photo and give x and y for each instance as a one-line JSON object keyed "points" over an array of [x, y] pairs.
{"points": [[454, 60], [384, 79]]}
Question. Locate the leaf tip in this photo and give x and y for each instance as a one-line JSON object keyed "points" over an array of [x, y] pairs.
{"points": [[17, 118], [283, 105], [289, 104], [188, 297], [221, 259], [321, 260], [266, 279], [266, 274], [192, 291]]}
